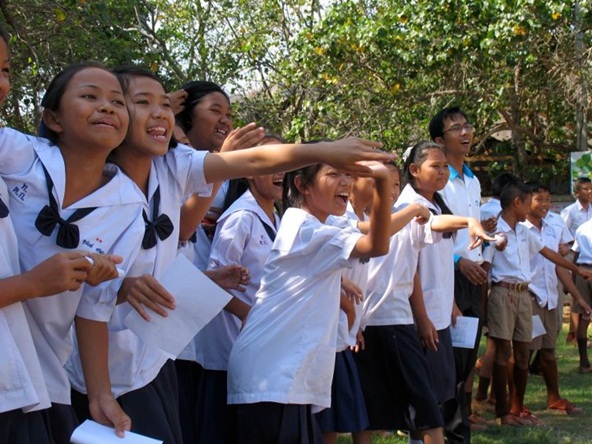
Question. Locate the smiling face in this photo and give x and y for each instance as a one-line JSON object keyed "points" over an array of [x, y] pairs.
{"points": [[328, 193], [152, 120], [211, 122], [268, 187], [432, 174], [539, 204], [457, 138], [584, 193], [92, 114]]}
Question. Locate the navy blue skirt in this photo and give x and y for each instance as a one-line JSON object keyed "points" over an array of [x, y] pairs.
{"points": [[216, 420], [441, 367], [188, 379], [153, 409], [395, 380], [273, 423], [347, 413], [17, 427]]}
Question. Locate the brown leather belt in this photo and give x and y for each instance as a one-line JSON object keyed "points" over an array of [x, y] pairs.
{"points": [[521, 286]]}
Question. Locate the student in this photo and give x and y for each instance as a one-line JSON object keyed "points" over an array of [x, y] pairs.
{"points": [[166, 176], [244, 235], [393, 369], [428, 176], [23, 394], [509, 309], [206, 120], [580, 211], [281, 364], [575, 215], [451, 128], [483, 366], [492, 208], [63, 197], [553, 232]]}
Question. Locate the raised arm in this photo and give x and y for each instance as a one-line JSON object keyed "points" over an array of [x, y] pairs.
{"points": [[376, 242], [267, 159]]}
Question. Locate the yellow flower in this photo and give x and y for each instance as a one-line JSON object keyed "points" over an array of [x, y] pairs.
{"points": [[519, 30], [319, 50], [556, 15]]}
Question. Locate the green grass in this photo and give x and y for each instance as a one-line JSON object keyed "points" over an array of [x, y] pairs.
{"points": [[557, 428]]}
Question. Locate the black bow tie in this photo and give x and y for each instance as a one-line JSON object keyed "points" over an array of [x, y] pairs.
{"points": [[3, 209], [49, 216], [160, 226]]}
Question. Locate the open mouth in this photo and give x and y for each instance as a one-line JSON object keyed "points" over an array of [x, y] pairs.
{"points": [[221, 131], [157, 132], [343, 197]]}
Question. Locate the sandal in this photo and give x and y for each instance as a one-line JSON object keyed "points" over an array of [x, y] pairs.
{"points": [[565, 406], [511, 420], [527, 416]]}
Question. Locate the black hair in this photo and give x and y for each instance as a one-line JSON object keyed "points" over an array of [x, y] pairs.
{"points": [[417, 156], [537, 187], [580, 181], [500, 181], [511, 191], [55, 91], [436, 126], [196, 91], [237, 187], [125, 73]]}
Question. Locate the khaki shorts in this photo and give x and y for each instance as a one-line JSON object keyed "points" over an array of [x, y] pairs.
{"points": [[509, 320], [551, 324], [585, 289]]}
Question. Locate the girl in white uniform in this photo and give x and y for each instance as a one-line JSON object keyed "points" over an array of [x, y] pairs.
{"points": [[436, 271], [165, 176], [281, 365], [62, 197], [393, 369], [244, 235]]}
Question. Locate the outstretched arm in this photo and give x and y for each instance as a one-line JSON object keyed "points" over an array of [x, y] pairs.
{"points": [[401, 218], [267, 159]]}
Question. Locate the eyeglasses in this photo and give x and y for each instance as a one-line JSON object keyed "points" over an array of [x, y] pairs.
{"points": [[456, 129]]}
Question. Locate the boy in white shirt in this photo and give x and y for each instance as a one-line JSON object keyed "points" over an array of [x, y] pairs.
{"points": [[553, 232], [509, 308]]}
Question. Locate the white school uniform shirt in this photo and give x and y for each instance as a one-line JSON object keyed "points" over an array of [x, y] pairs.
{"points": [[513, 264], [358, 274], [544, 277], [241, 239], [583, 243], [114, 227], [463, 197], [491, 208], [575, 215], [21, 380], [133, 364], [286, 352], [436, 272], [390, 277]]}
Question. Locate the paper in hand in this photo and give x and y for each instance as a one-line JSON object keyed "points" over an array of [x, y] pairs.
{"points": [[90, 432], [197, 301]]}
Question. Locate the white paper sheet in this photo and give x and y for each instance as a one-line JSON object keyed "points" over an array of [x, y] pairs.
{"points": [[90, 432], [197, 301], [538, 329], [465, 332]]}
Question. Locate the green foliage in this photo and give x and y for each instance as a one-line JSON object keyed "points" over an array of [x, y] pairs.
{"points": [[373, 68]]}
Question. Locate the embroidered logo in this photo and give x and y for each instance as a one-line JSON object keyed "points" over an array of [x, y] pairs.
{"points": [[263, 240], [20, 192], [92, 246]]}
